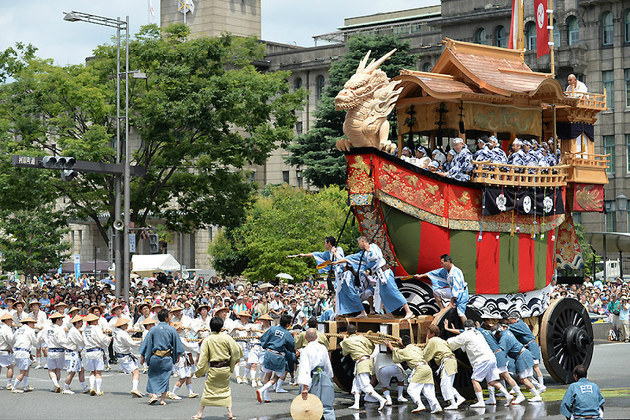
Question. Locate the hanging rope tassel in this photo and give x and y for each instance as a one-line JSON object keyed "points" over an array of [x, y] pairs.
{"points": [[535, 222]]}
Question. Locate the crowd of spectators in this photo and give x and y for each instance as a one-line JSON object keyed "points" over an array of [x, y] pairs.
{"points": [[608, 301]]}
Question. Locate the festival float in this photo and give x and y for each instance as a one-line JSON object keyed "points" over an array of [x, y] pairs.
{"points": [[509, 228]]}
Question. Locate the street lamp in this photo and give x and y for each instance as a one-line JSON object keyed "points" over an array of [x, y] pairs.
{"points": [[622, 208], [121, 261]]}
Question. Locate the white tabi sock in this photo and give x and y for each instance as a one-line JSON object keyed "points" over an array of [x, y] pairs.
{"points": [[54, 380], [66, 386], [386, 393], [245, 373], [479, 396], [357, 398], [540, 381], [279, 383], [92, 378], [175, 389], [237, 370], [266, 386], [99, 381], [15, 383], [189, 386], [134, 384], [517, 390], [401, 389], [82, 385], [535, 391], [9, 381], [252, 374], [25, 382], [504, 391], [491, 393]]}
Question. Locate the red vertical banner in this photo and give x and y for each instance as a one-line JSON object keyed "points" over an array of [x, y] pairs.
{"points": [[526, 272], [488, 256], [542, 33]]}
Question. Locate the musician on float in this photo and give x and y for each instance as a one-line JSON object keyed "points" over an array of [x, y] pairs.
{"points": [[461, 166]]}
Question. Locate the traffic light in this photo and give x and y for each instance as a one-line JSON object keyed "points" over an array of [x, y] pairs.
{"points": [[154, 243], [61, 162]]}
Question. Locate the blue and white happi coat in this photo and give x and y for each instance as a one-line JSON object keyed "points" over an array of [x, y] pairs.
{"points": [[338, 254], [453, 280], [461, 166], [386, 292]]}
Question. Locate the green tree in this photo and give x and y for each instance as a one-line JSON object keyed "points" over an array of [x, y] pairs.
{"points": [[315, 150], [31, 240], [285, 221], [201, 116]]}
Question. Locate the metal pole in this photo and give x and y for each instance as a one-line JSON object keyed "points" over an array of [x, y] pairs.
{"points": [[551, 43], [117, 252], [94, 263], [605, 259], [127, 209], [621, 265]]}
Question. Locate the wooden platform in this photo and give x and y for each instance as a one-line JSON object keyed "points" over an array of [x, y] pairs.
{"points": [[490, 173]]}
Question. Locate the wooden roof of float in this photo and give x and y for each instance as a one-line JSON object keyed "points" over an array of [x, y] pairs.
{"points": [[467, 71]]}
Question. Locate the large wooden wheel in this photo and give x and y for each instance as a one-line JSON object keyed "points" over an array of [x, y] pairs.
{"points": [[343, 368], [566, 338], [462, 381]]}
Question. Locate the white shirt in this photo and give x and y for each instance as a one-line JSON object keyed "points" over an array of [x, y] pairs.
{"points": [[577, 91], [25, 338], [474, 344], [74, 340], [41, 319], [276, 305], [123, 343], [6, 337], [94, 337], [54, 336], [312, 356]]}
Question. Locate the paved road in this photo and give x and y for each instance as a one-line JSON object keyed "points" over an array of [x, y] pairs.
{"points": [[609, 370]]}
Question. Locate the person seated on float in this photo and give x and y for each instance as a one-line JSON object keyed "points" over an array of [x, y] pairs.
{"points": [[434, 166], [483, 150], [423, 163], [518, 155], [575, 88], [462, 162], [439, 156], [420, 152], [446, 166], [548, 155], [497, 155], [406, 154]]}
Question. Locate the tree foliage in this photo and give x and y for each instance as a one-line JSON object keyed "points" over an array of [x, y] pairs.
{"points": [[315, 150], [31, 240], [203, 113], [284, 221]]}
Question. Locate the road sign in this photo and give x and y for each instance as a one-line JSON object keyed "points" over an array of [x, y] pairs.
{"points": [[79, 166], [132, 243], [77, 266]]}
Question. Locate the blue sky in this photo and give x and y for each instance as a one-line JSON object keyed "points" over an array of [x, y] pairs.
{"points": [[40, 22]]}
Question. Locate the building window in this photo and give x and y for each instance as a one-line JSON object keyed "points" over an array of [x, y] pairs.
{"points": [[628, 153], [626, 74], [626, 26], [297, 83], [416, 28], [609, 87], [556, 35], [426, 67], [210, 234], [611, 219], [481, 37], [607, 28], [530, 36], [574, 30], [319, 86], [401, 30], [300, 180], [500, 37], [609, 149], [299, 127], [285, 177]]}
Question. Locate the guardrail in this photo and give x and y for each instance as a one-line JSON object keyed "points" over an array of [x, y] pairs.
{"points": [[491, 173], [586, 159], [589, 100]]}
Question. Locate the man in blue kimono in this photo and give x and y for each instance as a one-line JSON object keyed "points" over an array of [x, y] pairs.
{"points": [[279, 347], [386, 292], [483, 151], [583, 398], [497, 155], [518, 156], [160, 349], [525, 336], [332, 253], [448, 285]]}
